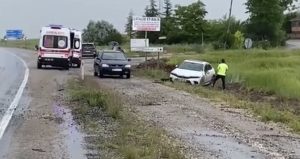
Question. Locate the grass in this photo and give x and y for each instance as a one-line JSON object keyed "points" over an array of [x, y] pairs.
{"points": [[23, 44], [155, 74], [132, 137], [97, 99], [273, 71], [263, 110]]}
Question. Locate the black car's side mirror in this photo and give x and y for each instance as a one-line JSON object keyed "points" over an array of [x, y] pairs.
{"points": [[129, 59]]}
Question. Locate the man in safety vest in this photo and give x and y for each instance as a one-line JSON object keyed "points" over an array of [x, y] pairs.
{"points": [[221, 73]]}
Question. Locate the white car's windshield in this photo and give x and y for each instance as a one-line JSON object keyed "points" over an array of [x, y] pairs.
{"points": [[191, 66]]}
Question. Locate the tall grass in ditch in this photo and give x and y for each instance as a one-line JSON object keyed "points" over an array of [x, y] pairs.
{"points": [[97, 99], [274, 71]]}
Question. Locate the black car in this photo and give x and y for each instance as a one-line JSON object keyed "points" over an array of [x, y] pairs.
{"points": [[88, 50], [112, 63]]}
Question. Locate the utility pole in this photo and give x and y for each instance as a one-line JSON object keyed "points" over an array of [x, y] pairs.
{"points": [[229, 23]]}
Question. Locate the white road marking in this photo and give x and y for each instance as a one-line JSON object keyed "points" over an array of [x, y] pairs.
{"points": [[9, 113]]}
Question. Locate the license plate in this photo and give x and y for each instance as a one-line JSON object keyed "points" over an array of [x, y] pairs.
{"points": [[117, 70], [49, 59]]}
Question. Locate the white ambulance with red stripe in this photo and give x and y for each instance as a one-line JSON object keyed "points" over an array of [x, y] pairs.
{"points": [[76, 38], [55, 47]]}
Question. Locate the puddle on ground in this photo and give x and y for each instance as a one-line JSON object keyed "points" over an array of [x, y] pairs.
{"points": [[226, 146], [74, 139]]}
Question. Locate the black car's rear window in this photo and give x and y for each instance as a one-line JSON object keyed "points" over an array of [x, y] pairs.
{"points": [[113, 56], [88, 46]]}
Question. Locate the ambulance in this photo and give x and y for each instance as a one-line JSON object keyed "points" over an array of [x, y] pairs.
{"points": [[76, 39], [55, 47]]}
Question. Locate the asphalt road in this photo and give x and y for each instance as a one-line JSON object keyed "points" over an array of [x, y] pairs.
{"points": [[33, 125], [12, 73], [293, 44]]}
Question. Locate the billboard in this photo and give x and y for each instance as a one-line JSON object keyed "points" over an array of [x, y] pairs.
{"points": [[138, 44], [145, 23], [14, 34]]}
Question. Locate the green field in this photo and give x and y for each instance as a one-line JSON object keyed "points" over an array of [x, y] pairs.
{"points": [[24, 44], [273, 71]]}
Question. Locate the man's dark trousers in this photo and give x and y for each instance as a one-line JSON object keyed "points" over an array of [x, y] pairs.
{"points": [[222, 78]]}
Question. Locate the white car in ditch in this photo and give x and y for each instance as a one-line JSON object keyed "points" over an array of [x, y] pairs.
{"points": [[193, 72]]}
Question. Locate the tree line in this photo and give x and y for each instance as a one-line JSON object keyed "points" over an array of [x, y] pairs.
{"points": [[268, 24]]}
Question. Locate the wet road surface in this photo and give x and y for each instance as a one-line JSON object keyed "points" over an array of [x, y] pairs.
{"points": [[11, 74], [40, 126]]}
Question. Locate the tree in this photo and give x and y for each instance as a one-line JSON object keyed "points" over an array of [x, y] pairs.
{"points": [[238, 40], [288, 4], [216, 32], [167, 22], [101, 33], [152, 11], [128, 26], [168, 9], [190, 21], [266, 19]]}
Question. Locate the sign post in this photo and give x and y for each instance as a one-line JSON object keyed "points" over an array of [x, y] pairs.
{"points": [[146, 54], [146, 24], [14, 34]]}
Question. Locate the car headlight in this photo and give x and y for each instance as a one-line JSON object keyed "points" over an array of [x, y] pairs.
{"points": [[127, 66], [105, 65]]}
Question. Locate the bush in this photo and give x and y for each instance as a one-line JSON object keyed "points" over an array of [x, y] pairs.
{"points": [[265, 44], [217, 45]]}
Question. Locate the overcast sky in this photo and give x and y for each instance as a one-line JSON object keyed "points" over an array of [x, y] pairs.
{"points": [[31, 15]]}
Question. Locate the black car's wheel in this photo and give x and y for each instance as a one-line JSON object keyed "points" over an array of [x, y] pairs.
{"points": [[128, 75], [39, 65], [95, 73], [78, 65], [67, 66], [101, 75]]}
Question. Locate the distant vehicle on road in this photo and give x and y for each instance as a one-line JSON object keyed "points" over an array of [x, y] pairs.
{"points": [[89, 50], [55, 47], [193, 72], [76, 37], [112, 63]]}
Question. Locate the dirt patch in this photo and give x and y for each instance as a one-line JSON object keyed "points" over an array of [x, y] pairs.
{"points": [[156, 64], [280, 103]]}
